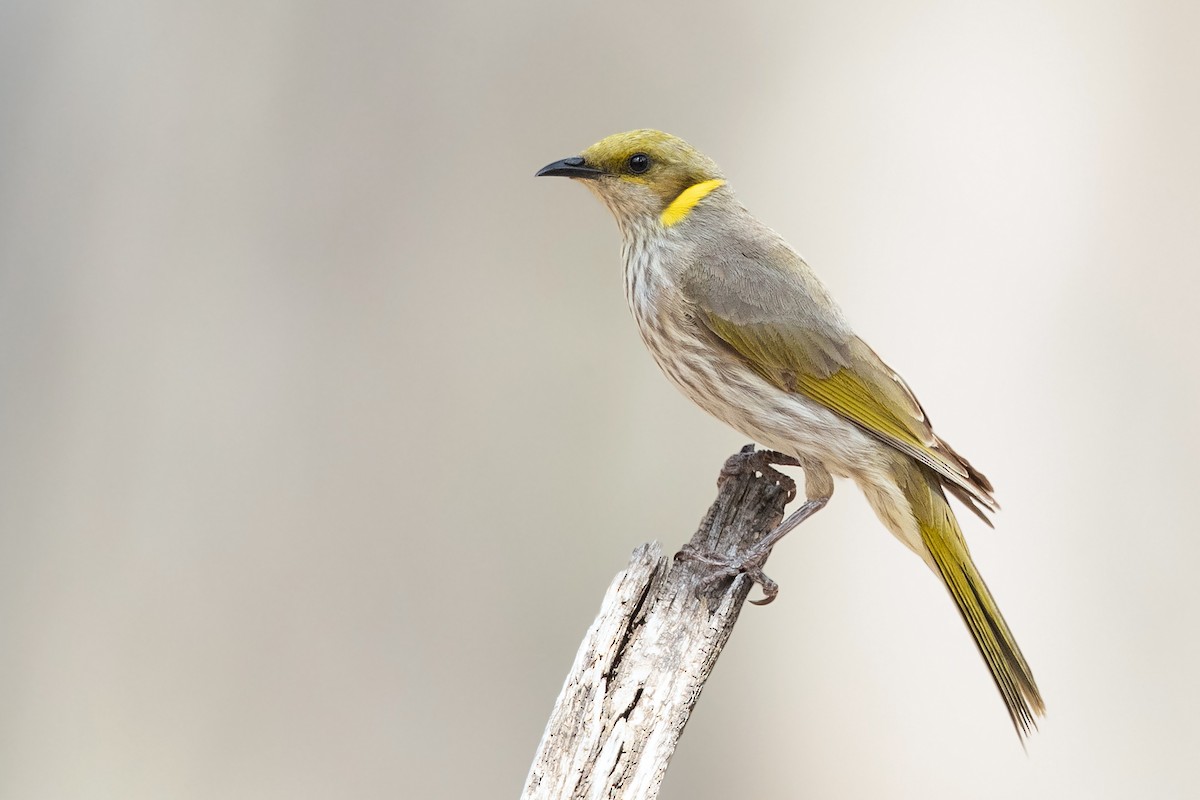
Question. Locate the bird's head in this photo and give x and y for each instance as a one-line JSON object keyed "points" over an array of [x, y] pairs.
{"points": [[645, 177]]}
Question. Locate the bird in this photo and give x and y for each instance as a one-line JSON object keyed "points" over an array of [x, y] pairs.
{"points": [[739, 322]]}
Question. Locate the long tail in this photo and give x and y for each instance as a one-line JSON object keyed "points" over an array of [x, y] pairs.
{"points": [[944, 541]]}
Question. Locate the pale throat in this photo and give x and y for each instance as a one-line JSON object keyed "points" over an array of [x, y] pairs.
{"points": [[687, 200]]}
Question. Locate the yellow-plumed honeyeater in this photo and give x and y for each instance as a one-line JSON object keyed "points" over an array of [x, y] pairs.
{"points": [[742, 326]]}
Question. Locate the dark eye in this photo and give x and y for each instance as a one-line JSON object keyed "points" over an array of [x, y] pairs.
{"points": [[639, 163]]}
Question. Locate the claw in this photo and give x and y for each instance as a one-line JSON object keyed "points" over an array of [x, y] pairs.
{"points": [[760, 461], [736, 464], [770, 588]]}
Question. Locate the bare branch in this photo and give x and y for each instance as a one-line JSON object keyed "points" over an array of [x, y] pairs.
{"points": [[644, 661]]}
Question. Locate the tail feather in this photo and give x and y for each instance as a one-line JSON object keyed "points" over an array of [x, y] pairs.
{"points": [[948, 550]]}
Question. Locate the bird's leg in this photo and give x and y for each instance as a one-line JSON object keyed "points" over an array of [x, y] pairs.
{"points": [[818, 488]]}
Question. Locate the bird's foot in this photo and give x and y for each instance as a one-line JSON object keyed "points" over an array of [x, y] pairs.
{"points": [[760, 462], [749, 563]]}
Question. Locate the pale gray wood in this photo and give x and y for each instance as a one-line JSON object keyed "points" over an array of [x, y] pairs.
{"points": [[644, 661]]}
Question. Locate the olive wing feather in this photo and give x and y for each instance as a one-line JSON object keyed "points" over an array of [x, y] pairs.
{"points": [[778, 329]]}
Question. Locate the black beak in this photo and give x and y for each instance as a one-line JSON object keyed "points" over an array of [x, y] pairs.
{"points": [[573, 167]]}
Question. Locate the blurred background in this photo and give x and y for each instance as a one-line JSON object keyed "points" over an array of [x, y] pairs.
{"points": [[324, 426]]}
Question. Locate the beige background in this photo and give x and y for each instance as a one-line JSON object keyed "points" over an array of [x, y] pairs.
{"points": [[323, 425]]}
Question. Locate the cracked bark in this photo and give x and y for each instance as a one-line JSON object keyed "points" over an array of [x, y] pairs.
{"points": [[640, 668]]}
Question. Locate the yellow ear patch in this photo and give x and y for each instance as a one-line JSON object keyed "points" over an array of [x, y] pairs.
{"points": [[682, 206]]}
